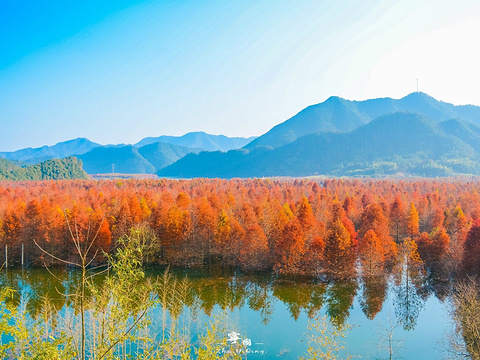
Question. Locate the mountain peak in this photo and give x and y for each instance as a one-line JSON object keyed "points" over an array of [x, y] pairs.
{"points": [[334, 98], [60, 150], [199, 139], [419, 95]]}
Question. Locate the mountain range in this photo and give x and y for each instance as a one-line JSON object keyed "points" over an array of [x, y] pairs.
{"points": [[340, 115], [147, 156], [415, 135]]}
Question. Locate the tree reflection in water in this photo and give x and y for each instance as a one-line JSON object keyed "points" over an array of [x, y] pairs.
{"points": [[340, 296], [260, 293], [262, 300], [374, 293]]}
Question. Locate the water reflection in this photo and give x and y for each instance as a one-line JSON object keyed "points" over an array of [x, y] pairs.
{"points": [[374, 293], [260, 293], [262, 301], [298, 296]]}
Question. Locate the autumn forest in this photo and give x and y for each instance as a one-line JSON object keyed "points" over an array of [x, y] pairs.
{"points": [[333, 228]]}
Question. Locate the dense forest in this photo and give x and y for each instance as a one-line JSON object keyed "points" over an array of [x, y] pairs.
{"points": [[324, 227], [55, 169]]}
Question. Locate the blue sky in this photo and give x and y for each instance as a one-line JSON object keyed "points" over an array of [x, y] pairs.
{"points": [[118, 71]]}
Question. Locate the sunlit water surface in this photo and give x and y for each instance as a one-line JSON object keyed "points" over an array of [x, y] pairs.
{"points": [[271, 314]]}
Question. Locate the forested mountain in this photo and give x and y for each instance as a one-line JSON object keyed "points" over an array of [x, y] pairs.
{"points": [[467, 132], [337, 114], [391, 144], [64, 149], [161, 154], [56, 169], [199, 140], [131, 160], [125, 159], [6, 167]]}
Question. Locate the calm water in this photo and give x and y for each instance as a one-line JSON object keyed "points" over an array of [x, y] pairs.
{"points": [[273, 313]]}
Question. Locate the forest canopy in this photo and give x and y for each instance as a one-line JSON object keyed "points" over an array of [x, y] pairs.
{"points": [[55, 169], [287, 226]]}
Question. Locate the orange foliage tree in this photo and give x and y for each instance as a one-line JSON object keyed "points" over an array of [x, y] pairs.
{"points": [[471, 254], [339, 251], [413, 219], [371, 254], [299, 226]]}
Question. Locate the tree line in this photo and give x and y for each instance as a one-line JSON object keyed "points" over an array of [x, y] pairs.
{"points": [[313, 227]]}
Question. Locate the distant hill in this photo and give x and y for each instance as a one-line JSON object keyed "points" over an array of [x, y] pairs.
{"points": [[126, 160], [131, 160], [399, 143], [340, 115], [161, 154], [7, 167], [61, 150], [466, 132], [335, 114], [173, 148], [57, 169], [199, 140]]}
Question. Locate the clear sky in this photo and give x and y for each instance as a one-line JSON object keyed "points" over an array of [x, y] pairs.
{"points": [[119, 70]]}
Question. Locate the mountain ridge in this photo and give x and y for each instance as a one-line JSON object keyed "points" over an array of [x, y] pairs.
{"points": [[199, 139], [129, 159], [395, 143], [80, 146], [60, 150], [337, 114]]}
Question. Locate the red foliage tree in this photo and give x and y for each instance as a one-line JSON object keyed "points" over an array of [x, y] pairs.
{"points": [[397, 218], [373, 219], [471, 255]]}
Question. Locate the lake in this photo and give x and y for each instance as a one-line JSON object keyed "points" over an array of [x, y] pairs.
{"points": [[270, 314]]}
